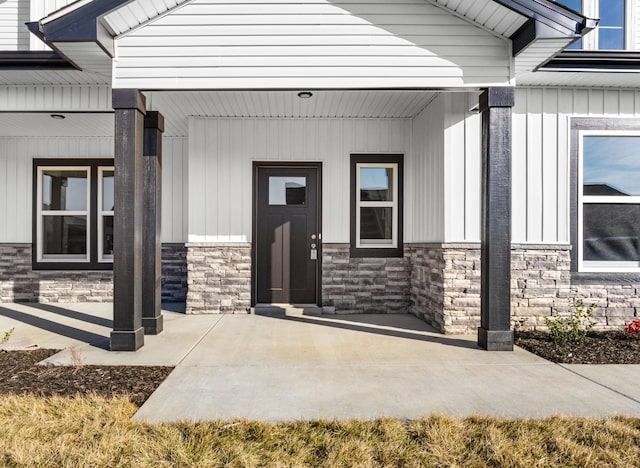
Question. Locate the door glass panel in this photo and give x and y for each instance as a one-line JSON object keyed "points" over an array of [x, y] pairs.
{"points": [[376, 184], [107, 236], [107, 190], [287, 191], [376, 223], [64, 236], [64, 190], [611, 232], [611, 165]]}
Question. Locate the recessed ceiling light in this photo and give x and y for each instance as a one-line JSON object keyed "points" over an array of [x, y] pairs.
{"points": [[58, 116], [305, 94]]}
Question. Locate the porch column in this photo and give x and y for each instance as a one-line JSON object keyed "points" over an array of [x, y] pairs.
{"points": [[151, 206], [495, 332], [129, 107]]}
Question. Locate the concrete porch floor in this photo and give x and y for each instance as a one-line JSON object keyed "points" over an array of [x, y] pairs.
{"points": [[278, 367]]}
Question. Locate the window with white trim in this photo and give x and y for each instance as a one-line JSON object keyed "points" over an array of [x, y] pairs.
{"points": [[608, 201], [73, 214], [376, 205], [615, 20]]}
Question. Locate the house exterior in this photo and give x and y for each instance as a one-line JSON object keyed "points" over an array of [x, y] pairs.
{"points": [[359, 156]]}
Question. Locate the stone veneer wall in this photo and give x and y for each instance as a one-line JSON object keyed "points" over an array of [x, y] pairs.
{"points": [[218, 278], [445, 288], [364, 285], [19, 283], [174, 273], [541, 280]]}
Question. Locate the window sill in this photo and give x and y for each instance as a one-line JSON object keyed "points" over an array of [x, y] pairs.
{"points": [[71, 266], [397, 252], [595, 278]]}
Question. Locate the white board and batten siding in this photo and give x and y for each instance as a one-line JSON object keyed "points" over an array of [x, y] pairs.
{"points": [[222, 152], [16, 180], [540, 162], [446, 171], [266, 44]]}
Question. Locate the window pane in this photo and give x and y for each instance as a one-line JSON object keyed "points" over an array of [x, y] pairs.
{"points": [[376, 184], [611, 39], [64, 190], [611, 165], [107, 191], [107, 235], [575, 5], [611, 13], [64, 235], [611, 231], [575, 45], [287, 190], [376, 223]]}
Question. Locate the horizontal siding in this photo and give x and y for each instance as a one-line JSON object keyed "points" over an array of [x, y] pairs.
{"points": [[14, 35], [221, 152], [635, 25], [540, 162], [16, 155], [425, 222], [268, 44]]}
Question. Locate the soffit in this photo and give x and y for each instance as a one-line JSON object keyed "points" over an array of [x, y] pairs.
{"points": [[179, 105], [577, 78], [40, 124], [488, 14], [50, 77]]}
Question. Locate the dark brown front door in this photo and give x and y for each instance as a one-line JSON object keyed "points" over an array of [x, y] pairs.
{"points": [[286, 233]]}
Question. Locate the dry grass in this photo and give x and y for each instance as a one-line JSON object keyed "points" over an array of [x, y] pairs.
{"points": [[97, 432]]}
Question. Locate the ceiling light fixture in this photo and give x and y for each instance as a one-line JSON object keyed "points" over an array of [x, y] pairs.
{"points": [[58, 116], [305, 94]]}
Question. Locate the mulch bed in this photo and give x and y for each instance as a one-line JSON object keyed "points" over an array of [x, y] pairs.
{"points": [[611, 347], [19, 375]]}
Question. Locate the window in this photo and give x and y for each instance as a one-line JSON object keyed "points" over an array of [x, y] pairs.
{"points": [[610, 33], [73, 214], [608, 224], [376, 205]]}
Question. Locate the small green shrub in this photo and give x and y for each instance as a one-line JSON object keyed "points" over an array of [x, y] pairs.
{"points": [[572, 326], [6, 336]]}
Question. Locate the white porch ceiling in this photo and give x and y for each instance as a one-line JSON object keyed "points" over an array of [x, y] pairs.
{"points": [[40, 124], [178, 106]]}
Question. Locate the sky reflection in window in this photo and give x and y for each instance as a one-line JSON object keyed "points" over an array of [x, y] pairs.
{"points": [[611, 165]]}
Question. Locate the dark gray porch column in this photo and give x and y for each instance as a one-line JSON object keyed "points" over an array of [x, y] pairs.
{"points": [[151, 246], [128, 334], [495, 332]]}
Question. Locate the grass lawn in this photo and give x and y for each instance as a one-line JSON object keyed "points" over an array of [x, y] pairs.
{"points": [[97, 431]]}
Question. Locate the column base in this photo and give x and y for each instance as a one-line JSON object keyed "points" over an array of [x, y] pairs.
{"points": [[153, 325], [495, 340], [127, 340]]}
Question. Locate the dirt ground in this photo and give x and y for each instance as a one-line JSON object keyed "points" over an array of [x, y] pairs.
{"points": [[611, 347], [19, 375]]}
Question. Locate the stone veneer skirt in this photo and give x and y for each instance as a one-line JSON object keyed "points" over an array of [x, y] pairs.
{"points": [[437, 282]]}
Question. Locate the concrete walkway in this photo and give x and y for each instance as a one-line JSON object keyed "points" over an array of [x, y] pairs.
{"points": [[305, 367]]}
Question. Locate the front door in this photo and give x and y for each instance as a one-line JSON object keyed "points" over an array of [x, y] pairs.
{"points": [[286, 233]]}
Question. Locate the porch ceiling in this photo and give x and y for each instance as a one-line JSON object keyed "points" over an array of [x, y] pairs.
{"points": [[178, 105], [30, 124]]}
